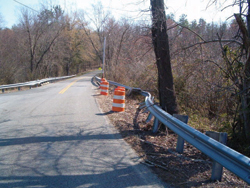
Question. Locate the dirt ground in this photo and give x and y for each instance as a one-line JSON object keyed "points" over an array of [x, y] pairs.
{"points": [[190, 169]]}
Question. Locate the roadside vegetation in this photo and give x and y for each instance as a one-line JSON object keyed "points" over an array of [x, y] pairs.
{"points": [[209, 60], [45, 44]]}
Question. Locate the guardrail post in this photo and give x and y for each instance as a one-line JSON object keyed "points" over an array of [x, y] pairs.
{"points": [[149, 117], [180, 141], [217, 168], [156, 125], [229, 158]]}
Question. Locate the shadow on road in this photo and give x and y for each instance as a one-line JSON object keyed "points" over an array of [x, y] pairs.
{"points": [[106, 113], [112, 178], [31, 140], [96, 95], [65, 160]]}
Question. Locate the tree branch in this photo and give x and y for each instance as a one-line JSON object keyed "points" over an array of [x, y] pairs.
{"points": [[211, 41], [243, 30], [92, 43]]}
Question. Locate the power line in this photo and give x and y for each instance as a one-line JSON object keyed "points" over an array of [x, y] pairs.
{"points": [[25, 5]]}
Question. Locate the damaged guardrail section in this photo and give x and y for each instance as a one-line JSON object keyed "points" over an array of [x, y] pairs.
{"points": [[227, 157]]}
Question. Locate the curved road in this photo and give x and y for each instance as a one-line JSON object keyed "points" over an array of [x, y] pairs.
{"points": [[54, 136]]}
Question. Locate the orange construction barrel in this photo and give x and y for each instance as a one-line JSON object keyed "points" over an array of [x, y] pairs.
{"points": [[104, 88], [102, 80], [119, 100]]}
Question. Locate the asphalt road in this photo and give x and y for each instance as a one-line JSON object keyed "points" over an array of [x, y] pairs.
{"points": [[56, 136]]}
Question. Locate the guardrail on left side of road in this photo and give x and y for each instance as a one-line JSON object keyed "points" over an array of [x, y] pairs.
{"points": [[33, 83]]}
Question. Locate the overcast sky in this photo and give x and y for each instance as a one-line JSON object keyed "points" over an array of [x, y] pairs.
{"points": [[194, 9]]}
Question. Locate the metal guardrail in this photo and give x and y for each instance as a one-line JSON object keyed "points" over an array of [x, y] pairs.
{"points": [[232, 160], [33, 83]]}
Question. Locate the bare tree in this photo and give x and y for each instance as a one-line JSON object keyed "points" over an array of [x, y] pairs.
{"points": [[9, 56], [41, 30], [236, 64], [245, 85], [1, 21]]}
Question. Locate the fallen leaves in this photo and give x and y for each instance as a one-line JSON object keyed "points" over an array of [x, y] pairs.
{"points": [[190, 169]]}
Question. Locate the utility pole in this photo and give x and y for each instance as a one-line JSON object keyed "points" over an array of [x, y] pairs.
{"points": [[103, 59]]}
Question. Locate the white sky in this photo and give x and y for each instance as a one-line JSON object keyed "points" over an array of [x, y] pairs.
{"points": [[194, 9]]}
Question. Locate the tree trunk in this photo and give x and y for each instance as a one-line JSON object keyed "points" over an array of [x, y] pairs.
{"points": [[247, 82], [161, 48], [245, 90], [67, 68]]}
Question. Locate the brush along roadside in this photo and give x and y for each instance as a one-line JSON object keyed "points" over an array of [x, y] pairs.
{"points": [[190, 169]]}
